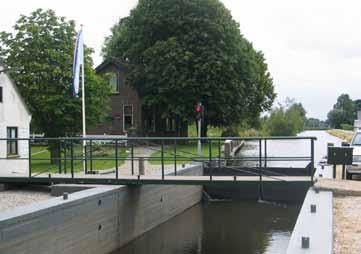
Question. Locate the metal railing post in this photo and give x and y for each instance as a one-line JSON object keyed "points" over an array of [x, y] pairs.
{"points": [[219, 153], [175, 156], [259, 153], [59, 159], [260, 189], [29, 152], [65, 156], [85, 157], [116, 159], [162, 158], [91, 155], [265, 153], [210, 150], [312, 158], [132, 158], [72, 158]]}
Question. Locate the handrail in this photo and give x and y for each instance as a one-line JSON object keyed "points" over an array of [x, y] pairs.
{"points": [[169, 149], [164, 138]]}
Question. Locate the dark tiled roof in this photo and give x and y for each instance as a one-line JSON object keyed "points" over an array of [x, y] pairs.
{"points": [[119, 63]]}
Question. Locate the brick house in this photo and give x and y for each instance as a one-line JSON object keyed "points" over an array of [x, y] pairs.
{"points": [[128, 115]]}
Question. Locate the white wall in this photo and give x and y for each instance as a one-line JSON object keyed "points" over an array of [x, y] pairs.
{"points": [[13, 113]]}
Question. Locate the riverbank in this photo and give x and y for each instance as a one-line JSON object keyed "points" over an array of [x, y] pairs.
{"points": [[346, 214], [342, 134]]}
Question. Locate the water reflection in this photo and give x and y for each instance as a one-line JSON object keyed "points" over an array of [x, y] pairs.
{"points": [[234, 227]]}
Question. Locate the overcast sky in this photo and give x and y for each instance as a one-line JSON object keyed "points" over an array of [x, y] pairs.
{"points": [[313, 48]]}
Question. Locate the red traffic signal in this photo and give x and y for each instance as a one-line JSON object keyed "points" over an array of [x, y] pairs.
{"points": [[198, 108]]}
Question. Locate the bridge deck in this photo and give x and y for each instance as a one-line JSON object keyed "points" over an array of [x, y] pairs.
{"points": [[153, 179]]}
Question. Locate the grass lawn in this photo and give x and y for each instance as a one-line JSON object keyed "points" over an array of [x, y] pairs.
{"points": [[211, 132], [342, 134], [103, 158], [185, 153]]}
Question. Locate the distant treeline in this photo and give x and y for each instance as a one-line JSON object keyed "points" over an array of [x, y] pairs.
{"points": [[343, 113]]}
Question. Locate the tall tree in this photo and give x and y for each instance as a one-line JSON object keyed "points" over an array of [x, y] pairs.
{"points": [[185, 51], [43, 45], [286, 120], [343, 112]]}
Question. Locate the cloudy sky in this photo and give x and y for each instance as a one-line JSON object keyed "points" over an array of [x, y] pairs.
{"points": [[313, 48]]}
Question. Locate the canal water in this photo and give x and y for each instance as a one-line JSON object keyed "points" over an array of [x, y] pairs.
{"points": [[247, 227]]}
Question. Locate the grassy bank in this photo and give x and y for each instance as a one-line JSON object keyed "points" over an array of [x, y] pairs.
{"points": [[342, 134], [217, 132], [185, 153], [104, 158]]}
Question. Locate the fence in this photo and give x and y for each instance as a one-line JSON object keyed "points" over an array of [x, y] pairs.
{"points": [[149, 155]]}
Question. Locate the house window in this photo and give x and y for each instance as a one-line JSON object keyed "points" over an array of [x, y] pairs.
{"points": [[12, 145], [127, 117], [113, 82], [1, 94]]}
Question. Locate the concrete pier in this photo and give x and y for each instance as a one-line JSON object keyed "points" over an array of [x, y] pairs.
{"points": [[96, 220]]}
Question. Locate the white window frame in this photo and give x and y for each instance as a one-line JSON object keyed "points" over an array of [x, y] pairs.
{"points": [[127, 105], [10, 142]]}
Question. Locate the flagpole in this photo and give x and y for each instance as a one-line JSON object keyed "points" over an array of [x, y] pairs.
{"points": [[83, 108]]}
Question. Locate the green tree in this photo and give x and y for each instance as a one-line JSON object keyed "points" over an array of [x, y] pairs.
{"points": [[286, 120], [43, 45], [184, 51], [343, 112], [314, 123]]}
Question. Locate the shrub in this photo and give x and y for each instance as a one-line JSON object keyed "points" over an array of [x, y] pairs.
{"points": [[346, 126]]}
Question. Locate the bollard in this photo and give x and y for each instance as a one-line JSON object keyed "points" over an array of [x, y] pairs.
{"points": [[227, 148], [305, 242], [141, 166], [65, 195], [313, 208]]}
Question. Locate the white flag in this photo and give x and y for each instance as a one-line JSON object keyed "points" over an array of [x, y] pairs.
{"points": [[78, 61]]}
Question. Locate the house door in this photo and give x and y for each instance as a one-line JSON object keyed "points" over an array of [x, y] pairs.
{"points": [[127, 117]]}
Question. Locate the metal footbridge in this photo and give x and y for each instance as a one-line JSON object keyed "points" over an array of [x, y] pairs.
{"points": [[235, 161]]}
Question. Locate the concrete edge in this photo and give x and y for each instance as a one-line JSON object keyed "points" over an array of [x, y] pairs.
{"points": [[318, 226], [37, 209], [40, 208]]}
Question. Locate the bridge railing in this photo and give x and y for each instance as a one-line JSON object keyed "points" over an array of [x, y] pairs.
{"points": [[115, 157]]}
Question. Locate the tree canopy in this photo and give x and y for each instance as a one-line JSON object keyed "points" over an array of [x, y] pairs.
{"points": [[286, 120], [181, 52], [43, 45], [343, 112]]}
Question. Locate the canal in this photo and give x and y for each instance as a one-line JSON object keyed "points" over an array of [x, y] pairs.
{"points": [[247, 227]]}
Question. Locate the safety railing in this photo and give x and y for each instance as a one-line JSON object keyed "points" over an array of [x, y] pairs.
{"points": [[116, 157]]}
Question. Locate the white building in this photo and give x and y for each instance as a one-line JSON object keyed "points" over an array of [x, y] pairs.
{"points": [[14, 123]]}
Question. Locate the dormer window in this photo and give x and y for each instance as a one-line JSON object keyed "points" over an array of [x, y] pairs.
{"points": [[113, 82]]}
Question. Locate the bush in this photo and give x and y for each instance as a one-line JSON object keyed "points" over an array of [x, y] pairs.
{"points": [[231, 132], [346, 126], [285, 121]]}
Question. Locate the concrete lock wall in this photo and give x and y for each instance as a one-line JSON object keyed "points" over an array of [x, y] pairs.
{"points": [[97, 220]]}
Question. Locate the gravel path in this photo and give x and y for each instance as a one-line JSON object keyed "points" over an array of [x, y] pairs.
{"points": [[13, 198], [346, 214], [347, 225]]}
